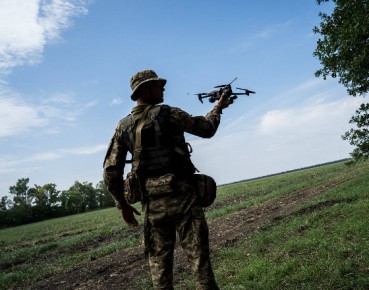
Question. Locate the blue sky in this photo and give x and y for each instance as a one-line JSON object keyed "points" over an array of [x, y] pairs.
{"points": [[65, 67]]}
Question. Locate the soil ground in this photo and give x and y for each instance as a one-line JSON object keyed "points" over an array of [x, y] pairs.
{"points": [[122, 270]]}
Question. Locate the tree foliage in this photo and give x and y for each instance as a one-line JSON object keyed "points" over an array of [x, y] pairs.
{"points": [[343, 49], [359, 136], [20, 192], [36, 203]]}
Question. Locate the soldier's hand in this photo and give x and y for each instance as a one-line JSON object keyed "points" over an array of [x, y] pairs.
{"points": [[223, 103], [128, 212]]}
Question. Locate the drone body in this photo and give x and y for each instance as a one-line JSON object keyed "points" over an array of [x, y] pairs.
{"points": [[226, 90]]}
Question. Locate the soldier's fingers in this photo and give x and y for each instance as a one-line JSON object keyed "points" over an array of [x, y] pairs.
{"points": [[136, 211], [133, 222], [130, 220]]}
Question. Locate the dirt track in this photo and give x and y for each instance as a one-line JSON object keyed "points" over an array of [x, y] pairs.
{"points": [[121, 270]]}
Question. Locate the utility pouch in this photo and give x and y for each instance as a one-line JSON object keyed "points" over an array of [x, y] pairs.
{"points": [[206, 189], [132, 188], [160, 186]]}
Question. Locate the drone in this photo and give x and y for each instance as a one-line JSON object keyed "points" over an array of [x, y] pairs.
{"points": [[223, 89]]}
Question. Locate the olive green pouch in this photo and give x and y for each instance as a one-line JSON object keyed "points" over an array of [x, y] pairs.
{"points": [[159, 186], [206, 189]]}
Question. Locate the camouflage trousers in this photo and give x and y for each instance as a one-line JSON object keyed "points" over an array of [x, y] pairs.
{"points": [[179, 213]]}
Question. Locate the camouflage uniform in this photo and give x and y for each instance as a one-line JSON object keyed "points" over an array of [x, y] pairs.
{"points": [[169, 213]]}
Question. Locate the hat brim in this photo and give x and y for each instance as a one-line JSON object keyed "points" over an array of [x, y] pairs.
{"points": [[163, 81]]}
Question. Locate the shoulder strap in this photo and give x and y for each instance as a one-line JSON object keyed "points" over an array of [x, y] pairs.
{"points": [[143, 121], [138, 146]]}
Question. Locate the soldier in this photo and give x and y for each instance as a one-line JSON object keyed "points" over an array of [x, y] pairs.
{"points": [[165, 156]]}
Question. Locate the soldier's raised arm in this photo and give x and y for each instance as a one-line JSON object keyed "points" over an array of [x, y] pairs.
{"points": [[202, 126]]}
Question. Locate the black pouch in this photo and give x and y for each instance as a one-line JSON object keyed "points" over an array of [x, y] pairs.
{"points": [[206, 189], [132, 188], [159, 186]]}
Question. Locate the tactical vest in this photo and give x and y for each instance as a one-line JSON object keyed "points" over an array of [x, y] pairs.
{"points": [[164, 149]]}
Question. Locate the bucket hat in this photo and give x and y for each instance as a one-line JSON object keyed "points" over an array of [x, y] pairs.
{"points": [[143, 77]]}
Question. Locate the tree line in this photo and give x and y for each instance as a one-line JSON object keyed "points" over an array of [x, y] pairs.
{"points": [[36, 203]]}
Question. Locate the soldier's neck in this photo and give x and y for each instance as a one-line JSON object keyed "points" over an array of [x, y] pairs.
{"points": [[146, 101]]}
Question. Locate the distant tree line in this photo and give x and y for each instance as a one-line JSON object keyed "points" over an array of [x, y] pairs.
{"points": [[35, 203], [347, 160]]}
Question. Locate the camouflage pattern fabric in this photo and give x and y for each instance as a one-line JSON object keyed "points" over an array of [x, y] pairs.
{"points": [[117, 151], [178, 212], [168, 214]]}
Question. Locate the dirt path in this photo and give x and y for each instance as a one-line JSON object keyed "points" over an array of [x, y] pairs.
{"points": [[120, 269]]}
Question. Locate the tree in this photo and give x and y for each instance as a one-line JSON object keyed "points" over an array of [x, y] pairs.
{"points": [[31, 204], [72, 200], [104, 197], [360, 135], [80, 197], [45, 196], [20, 192], [344, 49], [5, 204], [22, 200], [89, 194], [344, 53], [44, 200]]}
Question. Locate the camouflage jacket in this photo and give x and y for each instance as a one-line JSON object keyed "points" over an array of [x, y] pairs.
{"points": [[115, 158]]}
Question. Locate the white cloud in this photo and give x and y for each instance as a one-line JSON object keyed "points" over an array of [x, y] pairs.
{"points": [[85, 150], [117, 101], [20, 34], [307, 85], [267, 33], [12, 164], [59, 99], [18, 117], [312, 119], [27, 26], [270, 31], [313, 89], [64, 106], [306, 94], [55, 15]]}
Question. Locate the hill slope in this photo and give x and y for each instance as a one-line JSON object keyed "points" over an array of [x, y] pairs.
{"points": [[305, 229]]}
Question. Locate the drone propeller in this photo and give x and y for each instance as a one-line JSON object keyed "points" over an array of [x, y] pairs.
{"points": [[200, 96], [247, 92], [222, 86]]}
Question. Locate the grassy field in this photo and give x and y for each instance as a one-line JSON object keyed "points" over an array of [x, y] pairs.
{"points": [[323, 245], [318, 240]]}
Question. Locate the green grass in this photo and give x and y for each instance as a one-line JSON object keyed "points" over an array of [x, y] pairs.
{"points": [[323, 245], [37, 250], [260, 190]]}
